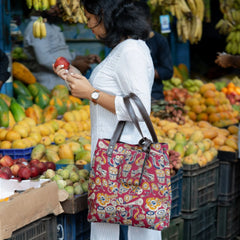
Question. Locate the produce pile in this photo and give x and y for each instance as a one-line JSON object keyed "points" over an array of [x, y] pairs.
{"points": [[69, 178]]}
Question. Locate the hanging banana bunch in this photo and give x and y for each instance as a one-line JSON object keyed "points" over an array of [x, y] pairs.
{"points": [[40, 5], [39, 28], [73, 12], [230, 25], [189, 14]]}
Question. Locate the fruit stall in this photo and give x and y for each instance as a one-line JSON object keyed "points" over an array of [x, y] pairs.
{"points": [[45, 142]]}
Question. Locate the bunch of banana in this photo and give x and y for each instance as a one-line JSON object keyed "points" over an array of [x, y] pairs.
{"points": [[189, 14], [230, 25], [39, 28], [73, 12], [41, 5]]}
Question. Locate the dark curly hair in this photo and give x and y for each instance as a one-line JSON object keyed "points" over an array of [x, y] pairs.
{"points": [[121, 19]]}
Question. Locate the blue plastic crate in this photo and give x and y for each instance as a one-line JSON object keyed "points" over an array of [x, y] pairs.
{"points": [[58, 166], [17, 153], [73, 226], [176, 185]]}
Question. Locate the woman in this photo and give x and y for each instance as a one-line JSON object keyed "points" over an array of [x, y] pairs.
{"points": [[127, 68]]}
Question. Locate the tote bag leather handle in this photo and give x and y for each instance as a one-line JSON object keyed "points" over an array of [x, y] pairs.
{"points": [[144, 142]]}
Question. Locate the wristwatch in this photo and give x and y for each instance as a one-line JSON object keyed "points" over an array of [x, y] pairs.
{"points": [[95, 95]]}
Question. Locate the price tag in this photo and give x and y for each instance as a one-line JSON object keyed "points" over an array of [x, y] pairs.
{"points": [[165, 23]]}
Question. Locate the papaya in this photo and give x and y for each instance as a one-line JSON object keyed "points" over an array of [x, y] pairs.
{"points": [[42, 99], [35, 87], [4, 114], [17, 110], [52, 156], [39, 113], [60, 91], [68, 103], [75, 99], [24, 101], [20, 89], [22, 73], [38, 151], [30, 112], [49, 113], [6, 98], [11, 119], [58, 103]]}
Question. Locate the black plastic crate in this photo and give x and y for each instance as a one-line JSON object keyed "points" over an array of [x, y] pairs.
{"points": [[229, 177], [174, 231], [201, 224], [44, 228], [73, 226], [199, 186], [176, 186], [228, 219]]}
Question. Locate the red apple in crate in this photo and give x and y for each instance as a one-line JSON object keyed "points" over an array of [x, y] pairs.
{"points": [[22, 161], [17, 178], [42, 167], [62, 61], [24, 172], [51, 165], [6, 161], [34, 162], [4, 175], [7, 170], [34, 171], [15, 168]]}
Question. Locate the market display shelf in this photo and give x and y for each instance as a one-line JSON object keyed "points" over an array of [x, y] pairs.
{"points": [[228, 219], [229, 178], [200, 185], [44, 228], [76, 204], [174, 231], [73, 226], [176, 186], [17, 153], [201, 224]]}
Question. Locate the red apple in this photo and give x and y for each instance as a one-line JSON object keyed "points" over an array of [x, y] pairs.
{"points": [[6, 161], [15, 168], [4, 175], [51, 165], [22, 161], [62, 61], [34, 162], [34, 171], [7, 170], [24, 172], [42, 167], [17, 178]]}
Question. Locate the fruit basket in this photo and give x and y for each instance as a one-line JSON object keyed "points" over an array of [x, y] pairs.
{"points": [[200, 185], [17, 153], [176, 185]]}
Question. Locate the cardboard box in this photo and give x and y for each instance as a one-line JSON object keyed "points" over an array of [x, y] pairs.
{"points": [[28, 206], [75, 205]]}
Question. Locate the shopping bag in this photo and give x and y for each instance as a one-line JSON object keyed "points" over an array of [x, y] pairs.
{"points": [[130, 184]]}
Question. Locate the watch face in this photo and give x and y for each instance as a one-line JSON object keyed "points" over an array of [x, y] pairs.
{"points": [[95, 95]]}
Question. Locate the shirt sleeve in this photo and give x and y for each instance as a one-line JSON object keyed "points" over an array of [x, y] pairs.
{"points": [[133, 74]]}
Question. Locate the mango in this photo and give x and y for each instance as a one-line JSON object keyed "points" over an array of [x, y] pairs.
{"points": [[65, 151]]}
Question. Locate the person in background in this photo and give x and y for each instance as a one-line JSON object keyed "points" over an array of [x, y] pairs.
{"points": [[227, 60], [4, 64], [42, 53], [161, 55], [127, 68]]}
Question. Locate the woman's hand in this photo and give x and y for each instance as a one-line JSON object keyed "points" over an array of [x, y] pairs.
{"points": [[62, 73], [79, 85]]}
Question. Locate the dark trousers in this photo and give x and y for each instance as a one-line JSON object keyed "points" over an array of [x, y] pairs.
{"points": [[123, 232]]}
